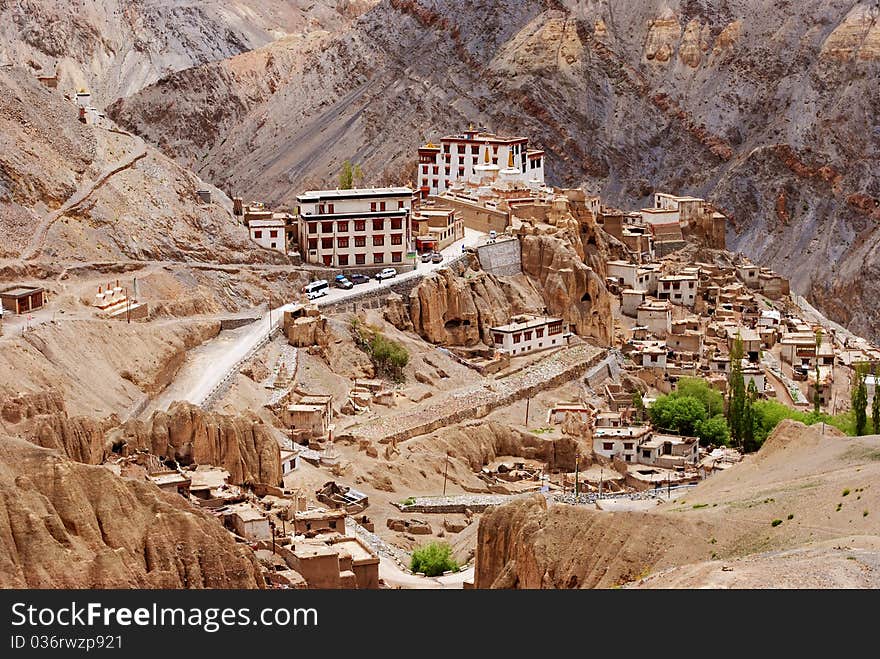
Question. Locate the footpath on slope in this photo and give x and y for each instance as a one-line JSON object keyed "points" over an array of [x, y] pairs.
{"points": [[479, 400]]}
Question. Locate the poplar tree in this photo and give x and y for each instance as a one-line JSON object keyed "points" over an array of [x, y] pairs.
{"points": [[736, 404], [859, 399], [875, 408]]}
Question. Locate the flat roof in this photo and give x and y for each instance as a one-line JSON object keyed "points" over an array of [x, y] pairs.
{"points": [[319, 513], [20, 291], [354, 193], [535, 321], [358, 552], [305, 408], [168, 478], [246, 512]]}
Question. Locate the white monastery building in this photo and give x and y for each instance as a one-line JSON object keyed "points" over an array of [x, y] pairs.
{"points": [[477, 157], [528, 333], [359, 227]]}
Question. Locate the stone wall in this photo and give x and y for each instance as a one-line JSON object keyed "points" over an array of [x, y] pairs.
{"points": [[502, 258]]}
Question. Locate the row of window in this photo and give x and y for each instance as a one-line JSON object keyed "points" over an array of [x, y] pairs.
{"points": [[475, 148], [361, 259], [374, 207], [258, 233], [378, 224], [359, 241]]}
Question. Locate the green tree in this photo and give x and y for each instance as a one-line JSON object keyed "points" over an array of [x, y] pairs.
{"points": [[713, 431], [859, 399], [749, 441], [639, 405], [433, 559], [816, 403], [698, 388], [681, 414], [875, 408], [736, 396], [349, 175]]}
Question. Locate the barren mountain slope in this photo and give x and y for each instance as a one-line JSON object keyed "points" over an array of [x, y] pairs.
{"points": [[820, 488], [767, 109], [69, 190], [115, 47], [68, 525]]}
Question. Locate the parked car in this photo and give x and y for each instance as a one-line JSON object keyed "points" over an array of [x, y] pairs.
{"points": [[436, 257], [320, 285], [426, 257], [387, 273], [358, 278], [342, 282], [314, 295]]}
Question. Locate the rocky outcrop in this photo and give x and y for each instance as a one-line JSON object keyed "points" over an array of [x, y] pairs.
{"points": [[528, 544], [68, 525], [242, 445], [449, 309], [571, 289]]}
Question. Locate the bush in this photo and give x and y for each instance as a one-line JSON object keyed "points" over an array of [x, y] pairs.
{"points": [[698, 388], [409, 501], [846, 492], [776, 522], [389, 357], [433, 559]]}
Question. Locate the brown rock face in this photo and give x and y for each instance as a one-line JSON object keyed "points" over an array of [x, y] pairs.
{"points": [[526, 544], [68, 525], [571, 289], [459, 310], [243, 445]]}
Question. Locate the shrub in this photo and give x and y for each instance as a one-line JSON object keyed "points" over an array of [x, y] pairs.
{"points": [[790, 516], [388, 356], [433, 559], [846, 492], [864, 513], [409, 501], [776, 522]]}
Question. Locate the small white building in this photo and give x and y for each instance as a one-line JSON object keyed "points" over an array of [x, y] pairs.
{"points": [[289, 461], [621, 442], [678, 289], [669, 451], [272, 232], [630, 301], [749, 274], [654, 356], [754, 373], [656, 315], [528, 333], [624, 272]]}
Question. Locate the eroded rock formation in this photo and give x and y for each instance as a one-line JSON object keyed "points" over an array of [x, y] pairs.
{"points": [[68, 525]]}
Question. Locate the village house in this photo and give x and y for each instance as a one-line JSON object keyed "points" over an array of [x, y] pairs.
{"points": [[171, 480], [360, 227], [248, 522], [678, 289], [624, 272], [656, 315], [311, 522], [630, 301], [289, 461], [435, 228], [310, 416], [476, 156], [269, 230], [528, 333], [669, 451], [22, 299], [622, 442]]}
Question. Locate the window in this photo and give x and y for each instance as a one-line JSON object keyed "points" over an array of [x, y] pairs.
{"points": [[555, 328], [424, 169], [381, 205], [517, 337], [498, 338], [446, 171], [424, 183], [527, 336], [320, 209], [378, 257], [539, 332], [461, 171], [343, 259], [396, 223], [475, 149], [445, 148], [326, 227], [313, 227], [607, 446], [360, 225], [360, 259], [258, 234], [274, 245], [273, 234], [627, 446], [396, 257], [373, 203], [360, 241], [378, 224], [342, 227], [326, 243], [400, 203], [646, 454], [328, 260], [378, 240], [330, 208], [397, 239], [342, 242], [436, 169], [434, 182], [313, 243]]}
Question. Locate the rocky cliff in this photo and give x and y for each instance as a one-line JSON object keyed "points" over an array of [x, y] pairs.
{"points": [[243, 445], [766, 109], [68, 525], [115, 47]]}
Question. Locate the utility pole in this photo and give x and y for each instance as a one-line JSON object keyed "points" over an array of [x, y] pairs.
{"points": [[577, 488], [445, 471], [601, 477], [528, 400]]}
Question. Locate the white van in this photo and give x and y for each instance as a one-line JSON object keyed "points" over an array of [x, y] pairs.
{"points": [[315, 286]]}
